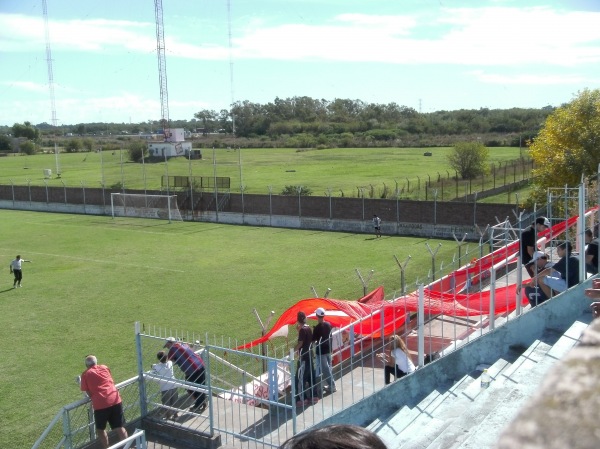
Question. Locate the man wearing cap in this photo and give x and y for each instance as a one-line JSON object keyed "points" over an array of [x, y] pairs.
{"points": [[98, 384], [529, 241], [193, 369], [535, 295], [322, 342]]}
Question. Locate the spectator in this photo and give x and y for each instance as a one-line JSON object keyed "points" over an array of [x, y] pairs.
{"points": [[98, 384], [336, 436], [562, 275], [535, 295], [193, 369], [591, 252], [16, 271], [403, 364], [305, 374], [322, 340], [529, 241], [168, 390]]}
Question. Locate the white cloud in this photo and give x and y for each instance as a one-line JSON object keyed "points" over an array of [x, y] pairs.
{"points": [[459, 36], [527, 79], [27, 86]]}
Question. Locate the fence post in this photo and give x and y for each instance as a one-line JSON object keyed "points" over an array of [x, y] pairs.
{"points": [[421, 326], [140, 367], [270, 205], [29, 189], [46, 183], [64, 189], [433, 253], [330, 208], [83, 188], [402, 277], [362, 280]]}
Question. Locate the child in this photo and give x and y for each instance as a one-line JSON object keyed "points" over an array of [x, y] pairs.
{"points": [[168, 391]]}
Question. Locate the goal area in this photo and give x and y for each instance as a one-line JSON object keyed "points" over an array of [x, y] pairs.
{"points": [[163, 207]]}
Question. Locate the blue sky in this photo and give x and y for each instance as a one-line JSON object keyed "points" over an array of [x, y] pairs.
{"points": [[426, 54]]}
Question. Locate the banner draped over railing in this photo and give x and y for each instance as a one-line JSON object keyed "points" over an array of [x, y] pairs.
{"points": [[447, 296]]}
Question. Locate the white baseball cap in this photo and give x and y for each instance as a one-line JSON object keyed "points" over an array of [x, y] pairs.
{"points": [[320, 311]]}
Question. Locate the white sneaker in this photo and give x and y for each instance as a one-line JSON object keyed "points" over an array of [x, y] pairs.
{"points": [[20, 286]]}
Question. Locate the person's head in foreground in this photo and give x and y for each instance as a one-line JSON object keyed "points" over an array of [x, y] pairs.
{"points": [[336, 436]]}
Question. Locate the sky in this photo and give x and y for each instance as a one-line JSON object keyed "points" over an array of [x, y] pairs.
{"points": [[429, 55]]}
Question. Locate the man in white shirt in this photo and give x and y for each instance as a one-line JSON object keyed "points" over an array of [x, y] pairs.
{"points": [[15, 269]]}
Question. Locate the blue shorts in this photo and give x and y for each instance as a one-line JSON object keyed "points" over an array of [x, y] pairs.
{"points": [[556, 283]]}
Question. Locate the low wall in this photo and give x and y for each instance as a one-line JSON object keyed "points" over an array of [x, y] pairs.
{"points": [[279, 221], [399, 217]]}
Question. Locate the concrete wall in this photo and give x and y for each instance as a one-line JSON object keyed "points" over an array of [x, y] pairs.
{"points": [[399, 217], [557, 314]]}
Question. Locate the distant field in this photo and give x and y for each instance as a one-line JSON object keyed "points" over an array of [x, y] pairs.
{"points": [[341, 171], [93, 277]]}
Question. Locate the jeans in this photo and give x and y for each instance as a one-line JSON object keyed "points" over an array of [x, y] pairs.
{"points": [[324, 370]]}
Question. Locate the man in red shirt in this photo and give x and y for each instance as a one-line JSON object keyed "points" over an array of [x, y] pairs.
{"points": [[98, 383]]}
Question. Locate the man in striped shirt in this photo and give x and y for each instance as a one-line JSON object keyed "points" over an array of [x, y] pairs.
{"points": [[193, 368]]}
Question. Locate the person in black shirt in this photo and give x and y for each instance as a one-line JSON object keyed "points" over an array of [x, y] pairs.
{"points": [[322, 342], [591, 252], [305, 374], [529, 242], [562, 275]]}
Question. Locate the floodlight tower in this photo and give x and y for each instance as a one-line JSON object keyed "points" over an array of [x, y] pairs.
{"points": [[50, 80], [162, 68]]}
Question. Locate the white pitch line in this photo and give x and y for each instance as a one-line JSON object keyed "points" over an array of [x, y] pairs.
{"points": [[84, 259]]}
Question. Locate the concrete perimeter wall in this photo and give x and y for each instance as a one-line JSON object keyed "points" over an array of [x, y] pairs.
{"points": [[399, 217]]}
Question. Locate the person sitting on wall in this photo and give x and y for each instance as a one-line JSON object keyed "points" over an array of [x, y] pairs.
{"points": [[535, 295], [403, 364], [562, 275]]}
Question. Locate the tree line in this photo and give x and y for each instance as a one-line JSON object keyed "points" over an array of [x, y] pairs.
{"points": [[308, 122]]}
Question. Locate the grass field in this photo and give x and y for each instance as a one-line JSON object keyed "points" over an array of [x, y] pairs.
{"points": [[340, 170], [93, 277]]}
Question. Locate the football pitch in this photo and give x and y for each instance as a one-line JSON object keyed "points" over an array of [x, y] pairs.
{"points": [[92, 277]]}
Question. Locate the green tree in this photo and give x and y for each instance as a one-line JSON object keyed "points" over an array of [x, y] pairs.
{"points": [[26, 130], [5, 144], [88, 144], [469, 159], [567, 146], [296, 190], [137, 148], [27, 147], [73, 145]]}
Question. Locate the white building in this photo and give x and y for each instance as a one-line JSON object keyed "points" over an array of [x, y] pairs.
{"points": [[173, 145]]}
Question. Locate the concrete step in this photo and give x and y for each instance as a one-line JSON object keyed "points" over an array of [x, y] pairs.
{"points": [[397, 422], [569, 339], [522, 382], [526, 384], [429, 428]]}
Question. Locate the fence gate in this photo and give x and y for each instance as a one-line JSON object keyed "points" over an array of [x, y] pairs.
{"points": [[250, 395]]}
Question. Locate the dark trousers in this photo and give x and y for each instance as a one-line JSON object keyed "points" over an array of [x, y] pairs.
{"points": [[305, 378], [197, 377], [18, 276], [389, 370]]}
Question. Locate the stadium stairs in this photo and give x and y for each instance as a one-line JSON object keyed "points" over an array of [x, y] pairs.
{"points": [[443, 405]]}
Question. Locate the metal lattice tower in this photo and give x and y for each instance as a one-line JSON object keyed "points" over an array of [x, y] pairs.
{"points": [[50, 78], [162, 67]]}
